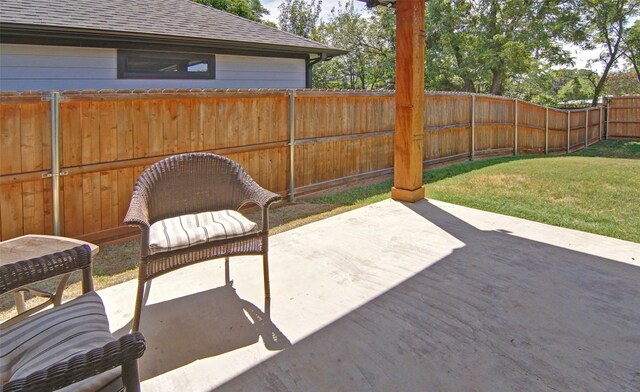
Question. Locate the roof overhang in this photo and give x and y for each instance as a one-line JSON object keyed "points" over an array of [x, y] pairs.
{"points": [[49, 35]]}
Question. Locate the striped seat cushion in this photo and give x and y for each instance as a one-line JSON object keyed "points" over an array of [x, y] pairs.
{"points": [[55, 335], [188, 230]]}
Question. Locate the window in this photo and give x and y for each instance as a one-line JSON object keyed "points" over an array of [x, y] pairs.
{"points": [[165, 65]]}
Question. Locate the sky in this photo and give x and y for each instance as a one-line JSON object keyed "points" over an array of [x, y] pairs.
{"points": [[327, 5], [580, 56]]}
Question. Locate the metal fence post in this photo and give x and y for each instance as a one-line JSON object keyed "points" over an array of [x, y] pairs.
{"points": [[55, 174], [292, 145], [515, 129], [568, 131], [473, 126], [546, 131]]}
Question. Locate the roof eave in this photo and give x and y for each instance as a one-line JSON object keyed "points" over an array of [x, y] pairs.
{"points": [[8, 30]]}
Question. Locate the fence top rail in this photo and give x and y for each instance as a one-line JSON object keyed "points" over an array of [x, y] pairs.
{"points": [[83, 95], [330, 92], [624, 97], [585, 109]]}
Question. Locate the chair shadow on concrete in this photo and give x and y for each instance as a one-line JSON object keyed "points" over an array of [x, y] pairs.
{"points": [[202, 325], [501, 313]]}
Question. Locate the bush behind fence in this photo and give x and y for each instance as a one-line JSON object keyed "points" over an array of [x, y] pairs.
{"points": [[107, 138]]}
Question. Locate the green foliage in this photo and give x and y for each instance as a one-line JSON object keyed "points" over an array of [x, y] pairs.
{"points": [[510, 47], [299, 17], [249, 9], [631, 47], [270, 24], [622, 83], [370, 63], [481, 45], [578, 84], [608, 22]]}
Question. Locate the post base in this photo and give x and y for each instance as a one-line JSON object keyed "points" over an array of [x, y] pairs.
{"points": [[407, 195]]}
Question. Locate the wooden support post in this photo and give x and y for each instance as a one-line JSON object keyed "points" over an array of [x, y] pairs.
{"points": [[515, 128], [409, 135], [473, 126]]}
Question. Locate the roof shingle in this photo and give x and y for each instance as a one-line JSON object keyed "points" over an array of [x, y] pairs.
{"points": [[177, 18]]}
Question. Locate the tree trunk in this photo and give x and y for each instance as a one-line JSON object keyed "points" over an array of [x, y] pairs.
{"points": [[363, 81], [632, 58], [469, 86], [498, 80], [468, 83], [603, 79]]}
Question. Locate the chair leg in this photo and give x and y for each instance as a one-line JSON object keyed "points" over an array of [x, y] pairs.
{"points": [[265, 271], [130, 377], [138, 309], [227, 274]]}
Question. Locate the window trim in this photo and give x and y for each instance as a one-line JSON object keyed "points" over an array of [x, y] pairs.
{"points": [[123, 56]]}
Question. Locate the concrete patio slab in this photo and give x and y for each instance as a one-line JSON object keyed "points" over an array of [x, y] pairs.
{"points": [[400, 297]]}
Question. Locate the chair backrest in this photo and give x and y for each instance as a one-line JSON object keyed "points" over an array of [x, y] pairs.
{"points": [[191, 183]]}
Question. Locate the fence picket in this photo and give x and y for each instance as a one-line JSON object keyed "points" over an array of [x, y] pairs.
{"points": [[107, 139]]}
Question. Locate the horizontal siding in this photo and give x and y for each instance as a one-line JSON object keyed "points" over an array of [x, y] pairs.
{"points": [[55, 73], [55, 61], [46, 50], [96, 84], [37, 67]]}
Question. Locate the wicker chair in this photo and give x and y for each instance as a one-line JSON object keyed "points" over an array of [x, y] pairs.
{"points": [[69, 345], [186, 189]]}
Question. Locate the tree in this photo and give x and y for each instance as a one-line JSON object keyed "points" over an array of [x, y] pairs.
{"points": [[608, 20], [631, 47], [579, 87], [299, 17], [370, 63], [622, 83], [479, 45], [550, 87], [249, 9]]}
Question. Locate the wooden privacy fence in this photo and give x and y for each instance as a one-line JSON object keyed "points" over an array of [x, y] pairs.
{"points": [[624, 117], [291, 141]]}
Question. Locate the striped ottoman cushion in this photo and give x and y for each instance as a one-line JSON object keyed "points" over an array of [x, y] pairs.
{"points": [[55, 335], [188, 230]]}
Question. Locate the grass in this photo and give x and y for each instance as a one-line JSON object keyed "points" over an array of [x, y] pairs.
{"points": [[626, 149], [594, 190], [592, 194]]}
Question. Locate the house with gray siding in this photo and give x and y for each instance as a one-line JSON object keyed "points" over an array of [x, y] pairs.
{"points": [[143, 44]]}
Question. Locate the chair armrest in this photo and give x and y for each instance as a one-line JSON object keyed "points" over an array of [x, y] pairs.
{"points": [[23, 272], [81, 366], [138, 212], [254, 193], [265, 198]]}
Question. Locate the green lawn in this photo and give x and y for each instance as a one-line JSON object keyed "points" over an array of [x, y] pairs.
{"points": [[595, 190]]}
